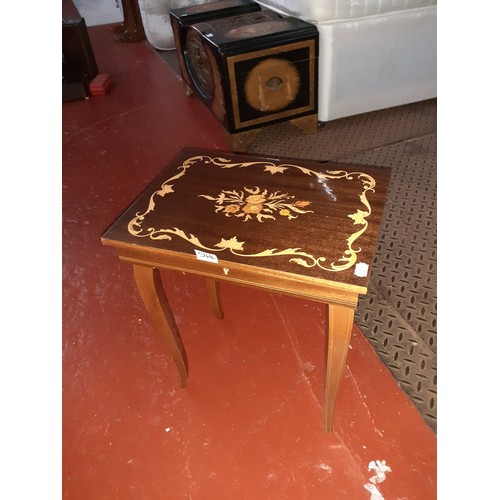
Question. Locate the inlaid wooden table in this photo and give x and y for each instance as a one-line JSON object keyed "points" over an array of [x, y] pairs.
{"points": [[289, 226]]}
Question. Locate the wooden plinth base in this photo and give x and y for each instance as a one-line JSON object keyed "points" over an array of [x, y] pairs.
{"points": [[241, 140]]}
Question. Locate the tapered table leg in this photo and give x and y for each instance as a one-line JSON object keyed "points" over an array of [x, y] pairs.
{"points": [[150, 287], [214, 297], [340, 322]]}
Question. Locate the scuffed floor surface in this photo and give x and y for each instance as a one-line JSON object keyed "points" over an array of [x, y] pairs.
{"points": [[249, 424]]}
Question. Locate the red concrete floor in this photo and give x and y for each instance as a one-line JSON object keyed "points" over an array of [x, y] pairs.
{"points": [[248, 425]]}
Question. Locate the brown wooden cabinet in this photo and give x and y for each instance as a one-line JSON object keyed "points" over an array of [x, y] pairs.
{"points": [[78, 62]]}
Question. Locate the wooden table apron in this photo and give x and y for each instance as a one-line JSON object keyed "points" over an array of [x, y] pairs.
{"points": [[288, 226]]}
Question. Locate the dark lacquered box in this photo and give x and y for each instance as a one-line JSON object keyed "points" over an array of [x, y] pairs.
{"points": [[254, 69], [184, 17]]}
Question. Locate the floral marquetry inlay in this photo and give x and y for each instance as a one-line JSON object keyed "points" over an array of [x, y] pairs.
{"points": [[261, 204], [257, 203]]}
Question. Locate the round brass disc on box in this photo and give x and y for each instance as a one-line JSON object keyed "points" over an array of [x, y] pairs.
{"points": [[198, 63], [272, 85]]}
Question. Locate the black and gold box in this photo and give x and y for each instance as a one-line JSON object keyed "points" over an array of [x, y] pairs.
{"points": [[254, 69], [182, 18]]}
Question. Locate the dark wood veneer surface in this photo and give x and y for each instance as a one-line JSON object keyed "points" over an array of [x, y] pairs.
{"points": [[181, 219]]}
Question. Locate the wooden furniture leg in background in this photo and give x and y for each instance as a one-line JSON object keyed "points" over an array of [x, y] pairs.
{"points": [[339, 330], [241, 140], [150, 287], [308, 124], [214, 297], [132, 29]]}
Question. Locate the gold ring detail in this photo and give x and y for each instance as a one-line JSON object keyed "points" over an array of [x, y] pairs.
{"points": [[272, 85]]}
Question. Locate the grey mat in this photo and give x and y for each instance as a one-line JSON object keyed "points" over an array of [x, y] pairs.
{"points": [[399, 313]]}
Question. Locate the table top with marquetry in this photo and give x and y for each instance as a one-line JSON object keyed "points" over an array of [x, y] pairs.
{"points": [[285, 224]]}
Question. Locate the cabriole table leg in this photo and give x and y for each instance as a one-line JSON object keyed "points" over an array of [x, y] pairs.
{"points": [[340, 322], [214, 297], [150, 287]]}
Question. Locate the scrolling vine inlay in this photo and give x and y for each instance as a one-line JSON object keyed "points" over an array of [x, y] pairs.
{"points": [[261, 204]]}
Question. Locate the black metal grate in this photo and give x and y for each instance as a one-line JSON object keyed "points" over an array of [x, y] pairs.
{"points": [[399, 313]]}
